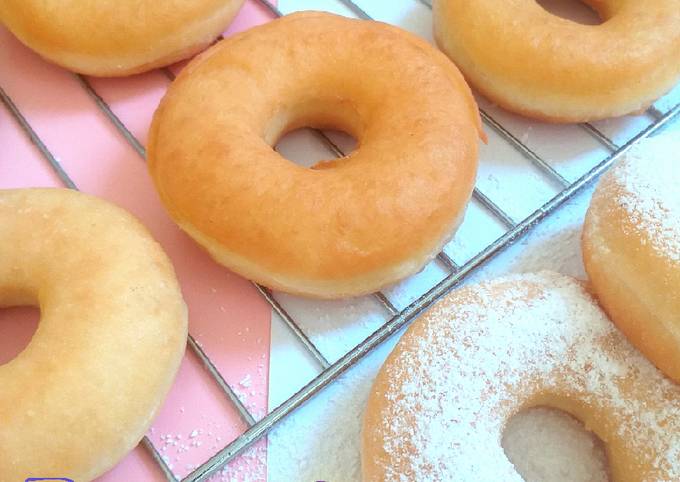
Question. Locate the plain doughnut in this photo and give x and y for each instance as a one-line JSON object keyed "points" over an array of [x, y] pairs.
{"points": [[631, 248], [439, 406], [344, 227], [112, 333], [532, 62], [117, 37]]}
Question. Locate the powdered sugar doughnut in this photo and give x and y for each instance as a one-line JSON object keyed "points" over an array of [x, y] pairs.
{"points": [[440, 403], [631, 249]]}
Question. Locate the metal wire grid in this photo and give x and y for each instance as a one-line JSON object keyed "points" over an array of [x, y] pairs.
{"points": [[399, 318]]}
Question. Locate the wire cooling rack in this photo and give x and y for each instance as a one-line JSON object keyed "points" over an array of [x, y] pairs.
{"points": [[398, 318]]}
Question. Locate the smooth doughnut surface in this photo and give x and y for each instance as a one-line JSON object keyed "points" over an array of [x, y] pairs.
{"points": [[117, 37], [631, 249], [112, 333], [344, 227], [532, 62], [439, 406]]}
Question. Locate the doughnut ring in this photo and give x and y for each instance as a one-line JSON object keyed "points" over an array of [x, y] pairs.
{"points": [[631, 249], [439, 405], [344, 227], [532, 62], [112, 333], [116, 38]]}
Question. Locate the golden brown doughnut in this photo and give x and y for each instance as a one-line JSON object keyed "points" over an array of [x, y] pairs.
{"points": [[117, 37], [439, 405], [112, 333], [345, 227], [532, 62], [631, 249]]}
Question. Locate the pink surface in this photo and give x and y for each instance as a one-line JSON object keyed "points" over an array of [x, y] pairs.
{"points": [[227, 316]]}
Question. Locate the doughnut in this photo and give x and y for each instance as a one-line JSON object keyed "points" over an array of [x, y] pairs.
{"points": [[440, 403], [112, 333], [631, 249], [537, 64], [117, 38], [344, 227]]}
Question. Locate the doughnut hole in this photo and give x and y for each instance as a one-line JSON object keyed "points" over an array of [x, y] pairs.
{"points": [[577, 11], [290, 130], [17, 327], [546, 444], [294, 146]]}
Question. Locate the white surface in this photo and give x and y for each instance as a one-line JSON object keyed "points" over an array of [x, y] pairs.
{"points": [[321, 440]]}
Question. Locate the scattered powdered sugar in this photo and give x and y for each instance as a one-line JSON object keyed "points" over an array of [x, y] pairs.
{"points": [[649, 182], [246, 381], [184, 451], [487, 351]]}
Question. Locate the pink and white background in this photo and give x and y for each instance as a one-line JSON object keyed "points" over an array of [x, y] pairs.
{"points": [[250, 345]]}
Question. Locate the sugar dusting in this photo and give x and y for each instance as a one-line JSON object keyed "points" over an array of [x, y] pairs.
{"points": [[483, 354], [649, 182], [184, 451], [177, 449]]}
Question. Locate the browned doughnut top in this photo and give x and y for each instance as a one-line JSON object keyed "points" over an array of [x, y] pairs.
{"points": [[348, 226], [117, 37], [535, 63]]}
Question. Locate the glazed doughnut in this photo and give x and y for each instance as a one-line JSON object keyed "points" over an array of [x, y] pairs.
{"points": [[532, 62], [344, 227], [112, 333], [631, 249], [115, 38], [439, 406]]}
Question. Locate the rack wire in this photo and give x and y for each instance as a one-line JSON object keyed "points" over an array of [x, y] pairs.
{"points": [[398, 318]]}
